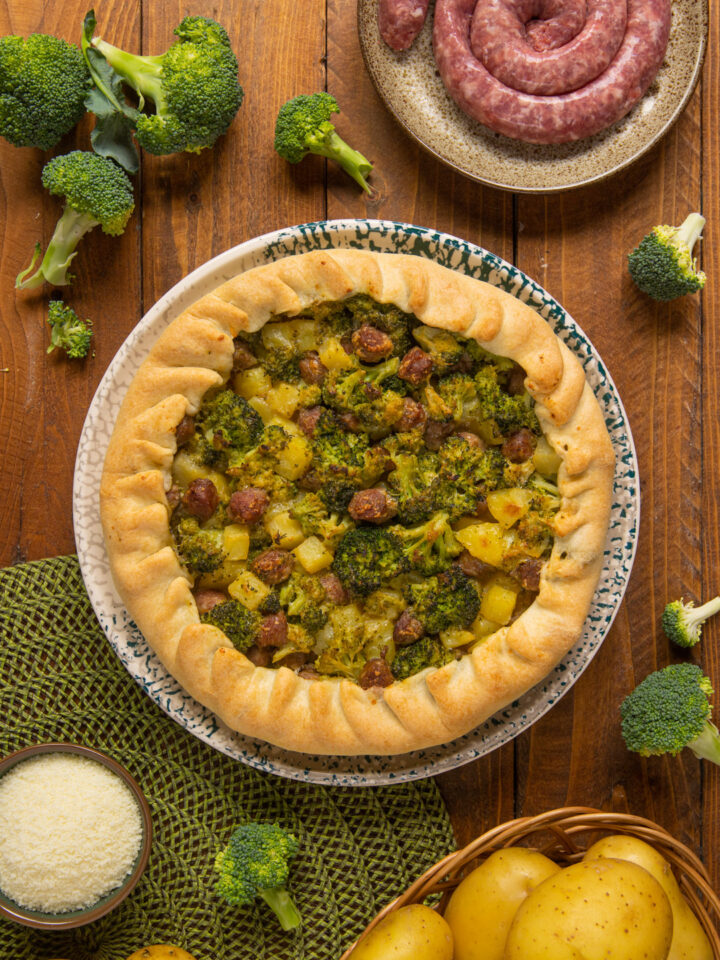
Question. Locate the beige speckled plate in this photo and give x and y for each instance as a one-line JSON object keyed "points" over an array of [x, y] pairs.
{"points": [[411, 87]]}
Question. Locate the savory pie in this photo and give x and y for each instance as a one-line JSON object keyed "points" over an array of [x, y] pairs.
{"points": [[357, 502]]}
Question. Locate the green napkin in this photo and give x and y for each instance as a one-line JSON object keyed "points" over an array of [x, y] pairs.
{"points": [[360, 847]]}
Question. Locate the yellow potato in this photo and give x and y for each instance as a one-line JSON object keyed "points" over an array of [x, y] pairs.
{"points": [[483, 905], [410, 933], [161, 951], [689, 940], [602, 909]]}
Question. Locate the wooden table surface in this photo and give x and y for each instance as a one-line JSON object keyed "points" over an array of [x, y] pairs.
{"points": [[663, 358]]}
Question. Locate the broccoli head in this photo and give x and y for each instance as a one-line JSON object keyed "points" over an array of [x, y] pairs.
{"points": [[425, 652], [414, 483], [662, 264], [670, 710], [304, 600], [313, 515], [200, 549], [259, 467], [193, 87], [67, 330], [447, 600], [467, 474], [430, 547], [508, 413], [344, 654], [239, 624], [43, 85], [229, 424], [364, 392], [97, 193], [368, 556], [341, 462], [303, 126], [682, 622], [256, 863], [445, 349]]}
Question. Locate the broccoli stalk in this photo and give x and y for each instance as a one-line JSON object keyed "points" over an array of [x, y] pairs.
{"points": [[682, 622], [303, 126], [662, 264], [670, 710], [97, 193], [256, 863], [68, 331], [193, 86]]}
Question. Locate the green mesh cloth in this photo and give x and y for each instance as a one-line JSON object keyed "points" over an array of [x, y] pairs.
{"points": [[60, 680]]}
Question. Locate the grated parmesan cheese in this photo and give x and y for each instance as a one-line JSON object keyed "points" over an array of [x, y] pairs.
{"points": [[70, 832]]}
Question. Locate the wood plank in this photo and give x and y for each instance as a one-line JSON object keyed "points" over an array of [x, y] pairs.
{"points": [[198, 205], [44, 399], [576, 244], [709, 521]]}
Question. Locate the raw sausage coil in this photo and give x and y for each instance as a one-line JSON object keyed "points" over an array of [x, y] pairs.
{"points": [[543, 71]]}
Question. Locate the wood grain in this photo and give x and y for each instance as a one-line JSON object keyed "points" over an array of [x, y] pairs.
{"points": [[663, 357]]}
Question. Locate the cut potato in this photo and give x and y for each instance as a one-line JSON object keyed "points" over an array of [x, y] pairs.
{"points": [[332, 355], [284, 530], [236, 541], [485, 541], [545, 460], [482, 627], [254, 382], [289, 426], [249, 590], [312, 555], [498, 603], [161, 951], [293, 461], [456, 637], [283, 399], [261, 407], [509, 506], [297, 335], [218, 579], [185, 470]]}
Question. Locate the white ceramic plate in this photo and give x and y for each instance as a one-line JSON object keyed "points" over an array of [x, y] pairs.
{"points": [[131, 647], [411, 88]]}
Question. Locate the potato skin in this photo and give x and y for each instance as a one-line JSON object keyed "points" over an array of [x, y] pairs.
{"points": [[483, 905], [593, 910], [414, 932], [689, 940], [161, 951]]}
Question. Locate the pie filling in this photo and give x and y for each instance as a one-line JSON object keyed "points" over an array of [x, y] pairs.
{"points": [[365, 497]]}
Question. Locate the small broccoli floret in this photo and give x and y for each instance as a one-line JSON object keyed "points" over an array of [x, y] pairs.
{"points": [[193, 86], [229, 424], [447, 600], [68, 331], [670, 710], [425, 652], [509, 414], [682, 622], [459, 393], [256, 863], [414, 483], [303, 126], [316, 519], [43, 85], [304, 600], [200, 549], [386, 317], [467, 474], [239, 624], [363, 391], [368, 556], [97, 193], [443, 346], [339, 463], [662, 264], [344, 654], [431, 547], [259, 467]]}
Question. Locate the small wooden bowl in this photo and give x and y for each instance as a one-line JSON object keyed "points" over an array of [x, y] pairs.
{"points": [[78, 918], [564, 835]]}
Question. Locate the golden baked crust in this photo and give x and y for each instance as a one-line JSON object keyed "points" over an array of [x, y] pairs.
{"points": [[336, 716]]}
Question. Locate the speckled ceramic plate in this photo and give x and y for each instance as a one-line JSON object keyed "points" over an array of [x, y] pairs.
{"points": [[126, 639], [411, 87]]}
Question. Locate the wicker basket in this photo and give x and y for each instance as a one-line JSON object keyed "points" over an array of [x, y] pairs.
{"points": [[564, 835]]}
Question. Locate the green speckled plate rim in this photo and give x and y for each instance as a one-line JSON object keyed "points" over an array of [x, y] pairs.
{"points": [[126, 639], [371, 43]]}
